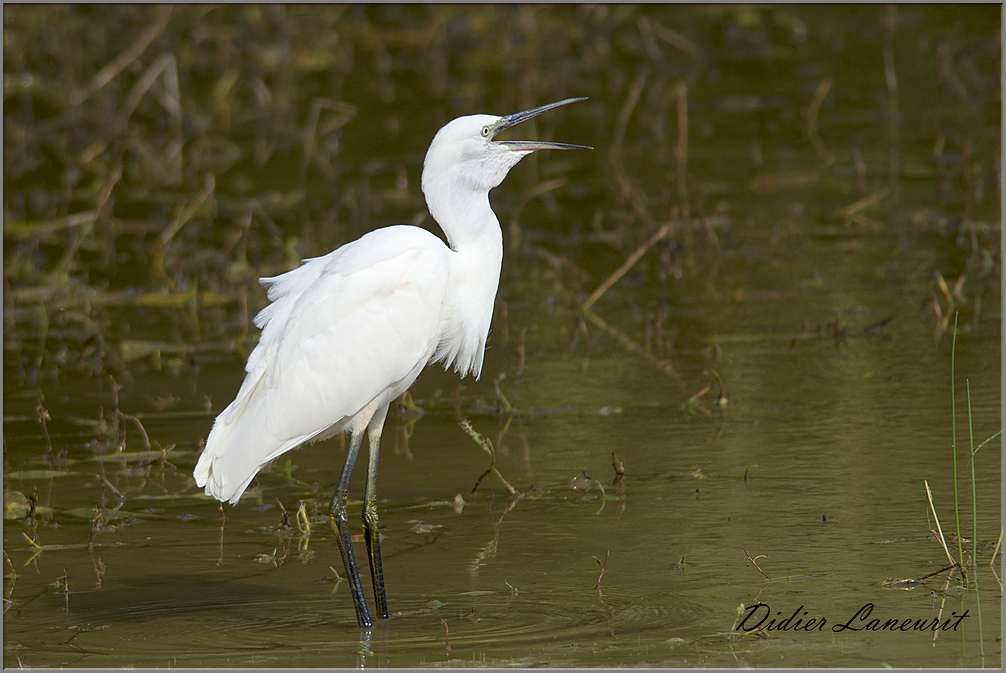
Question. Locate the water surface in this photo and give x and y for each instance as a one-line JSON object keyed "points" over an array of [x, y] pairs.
{"points": [[773, 383]]}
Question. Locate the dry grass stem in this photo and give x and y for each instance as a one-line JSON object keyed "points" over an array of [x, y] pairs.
{"points": [[622, 270], [681, 149], [187, 211], [646, 32], [513, 230], [754, 561], [109, 484], [123, 60], [938, 533], [63, 265], [893, 114], [865, 202], [604, 567], [622, 124], [714, 240], [632, 346], [164, 63], [41, 229], [811, 122], [488, 448], [344, 112], [447, 638], [676, 40]]}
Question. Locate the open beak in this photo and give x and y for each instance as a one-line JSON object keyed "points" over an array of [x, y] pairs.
{"points": [[530, 145]]}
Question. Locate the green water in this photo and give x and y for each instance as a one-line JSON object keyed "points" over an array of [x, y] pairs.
{"points": [[809, 450]]}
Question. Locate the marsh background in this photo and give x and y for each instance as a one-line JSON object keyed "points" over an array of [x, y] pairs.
{"points": [[749, 412]]}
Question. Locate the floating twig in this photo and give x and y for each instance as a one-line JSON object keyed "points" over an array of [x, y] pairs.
{"points": [[107, 483], [447, 638], [619, 471], [754, 562], [933, 574], [604, 568]]}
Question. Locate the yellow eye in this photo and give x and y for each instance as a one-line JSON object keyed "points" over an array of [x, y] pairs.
{"points": [[486, 131]]}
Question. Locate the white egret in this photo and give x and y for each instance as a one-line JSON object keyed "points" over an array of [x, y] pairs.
{"points": [[349, 332]]}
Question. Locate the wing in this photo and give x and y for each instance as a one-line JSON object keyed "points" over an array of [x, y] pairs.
{"points": [[347, 331]]}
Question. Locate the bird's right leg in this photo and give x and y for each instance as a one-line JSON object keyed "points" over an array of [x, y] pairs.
{"points": [[371, 523], [337, 510]]}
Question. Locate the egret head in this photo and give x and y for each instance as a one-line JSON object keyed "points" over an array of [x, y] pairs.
{"points": [[464, 154]]}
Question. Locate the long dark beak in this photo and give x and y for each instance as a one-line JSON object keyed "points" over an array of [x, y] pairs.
{"points": [[529, 145]]}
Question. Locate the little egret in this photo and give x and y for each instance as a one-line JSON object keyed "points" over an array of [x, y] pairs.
{"points": [[349, 332]]}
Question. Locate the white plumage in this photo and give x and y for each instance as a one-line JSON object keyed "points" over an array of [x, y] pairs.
{"points": [[349, 332], [343, 331]]}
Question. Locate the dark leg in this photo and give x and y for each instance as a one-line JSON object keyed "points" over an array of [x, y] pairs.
{"points": [[337, 510], [370, 520]]}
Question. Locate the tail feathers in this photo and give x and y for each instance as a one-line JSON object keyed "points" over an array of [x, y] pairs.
{"points": [[236, 450], [243, 441]]}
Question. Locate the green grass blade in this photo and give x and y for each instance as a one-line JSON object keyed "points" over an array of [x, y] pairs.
{"points": [[953, 429], [974, 522]]}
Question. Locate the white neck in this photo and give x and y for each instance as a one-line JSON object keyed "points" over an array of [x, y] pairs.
{"points": [[476, 240], [465, 217]]}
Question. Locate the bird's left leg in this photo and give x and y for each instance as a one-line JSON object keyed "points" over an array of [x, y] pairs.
{"points": [[370, 520], [337, 511]]}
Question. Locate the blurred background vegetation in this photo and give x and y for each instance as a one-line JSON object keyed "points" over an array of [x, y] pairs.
{"points": [[159, 159], [764, 178]]}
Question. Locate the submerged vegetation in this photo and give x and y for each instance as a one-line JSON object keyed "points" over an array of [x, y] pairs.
{"points": [[158, 160]]}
